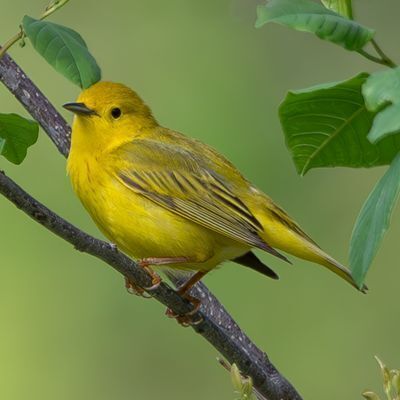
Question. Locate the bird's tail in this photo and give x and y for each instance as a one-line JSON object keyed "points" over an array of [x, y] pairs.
{"points": [[291, 239], [313, 253], [330, 263]]}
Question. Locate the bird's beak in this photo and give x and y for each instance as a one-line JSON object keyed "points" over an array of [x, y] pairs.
{"points": [[79, 108]]}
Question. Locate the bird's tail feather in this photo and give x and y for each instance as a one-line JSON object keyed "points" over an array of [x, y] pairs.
{"points": [[340, 270], [284, 234]]}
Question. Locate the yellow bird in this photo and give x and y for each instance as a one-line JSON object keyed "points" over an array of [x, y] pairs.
{"points": [[170, 200]]}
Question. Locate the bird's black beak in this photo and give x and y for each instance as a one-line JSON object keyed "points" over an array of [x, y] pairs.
{"points": [[79, 108]]}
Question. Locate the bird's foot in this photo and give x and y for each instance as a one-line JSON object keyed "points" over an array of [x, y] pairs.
{"points": [[155, 278], [132, 288], [187, 319], [144, 292]]}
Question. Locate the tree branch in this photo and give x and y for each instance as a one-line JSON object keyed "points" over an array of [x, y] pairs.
{"points": [[217, 326]]}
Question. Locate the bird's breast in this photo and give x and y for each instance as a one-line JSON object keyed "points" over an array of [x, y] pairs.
{"points": [[140, 227]]}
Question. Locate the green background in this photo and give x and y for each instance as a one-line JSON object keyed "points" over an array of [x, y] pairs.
{"points": [[69, 330]]}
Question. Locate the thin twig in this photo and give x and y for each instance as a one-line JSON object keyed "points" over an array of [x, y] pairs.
{"points": [[53, 7], [217, 326], [50, 9]]}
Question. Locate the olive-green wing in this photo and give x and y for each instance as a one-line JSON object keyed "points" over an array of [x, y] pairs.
{"points": [[178, 180], [281, 215]]}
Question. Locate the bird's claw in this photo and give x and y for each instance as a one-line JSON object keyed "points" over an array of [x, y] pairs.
{"points": [[132, 288], [155, 279], [186, 319], [144, 292]]}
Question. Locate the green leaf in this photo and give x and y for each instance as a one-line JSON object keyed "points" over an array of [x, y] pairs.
{"points": [[382, 90], [308, 16], [342, 7], [327, 126], [396, 381], [373, 221], [385, 373], [64, 49], [370, 396], [16, 135]]}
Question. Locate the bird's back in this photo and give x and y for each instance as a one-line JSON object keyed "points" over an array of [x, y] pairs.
{"points": [[276, 228]]}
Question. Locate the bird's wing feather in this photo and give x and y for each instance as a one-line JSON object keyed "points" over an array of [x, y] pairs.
{"points": [[280, 215], [178, 180]]}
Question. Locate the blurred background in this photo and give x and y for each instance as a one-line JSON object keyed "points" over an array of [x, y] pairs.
{"points": [[69, 330]]}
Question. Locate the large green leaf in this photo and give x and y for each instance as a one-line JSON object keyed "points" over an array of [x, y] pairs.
{"points": [[64, 49], [382, 90], [327, 126], [308, 16], [373, 221], [342, 7], [16, 135]]}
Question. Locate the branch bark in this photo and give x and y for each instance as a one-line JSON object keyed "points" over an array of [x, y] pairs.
{"points": [[217, 326]]}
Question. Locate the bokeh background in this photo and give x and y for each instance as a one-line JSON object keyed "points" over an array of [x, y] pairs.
{"points": [[69, 330]]}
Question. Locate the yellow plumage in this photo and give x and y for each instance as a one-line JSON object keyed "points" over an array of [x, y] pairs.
{"points": [[158, 194]]}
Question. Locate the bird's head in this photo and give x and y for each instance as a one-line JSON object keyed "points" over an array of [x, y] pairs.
{"points": [[108, 113]]}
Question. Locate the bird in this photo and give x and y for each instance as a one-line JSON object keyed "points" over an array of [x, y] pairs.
{"points": [[171, 201]]}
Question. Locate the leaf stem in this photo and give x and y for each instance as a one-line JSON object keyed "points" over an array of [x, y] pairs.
{"points": [[50, 9], [384, 57], [383, 61], [11, 42]]}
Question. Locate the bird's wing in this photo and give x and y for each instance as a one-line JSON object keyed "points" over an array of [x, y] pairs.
{"points": [[280, 215], [178, 180]]}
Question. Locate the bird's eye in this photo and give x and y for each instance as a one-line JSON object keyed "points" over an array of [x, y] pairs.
{"points": [[116, 112]]}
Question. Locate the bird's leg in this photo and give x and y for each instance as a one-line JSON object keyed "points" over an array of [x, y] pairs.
{"points": [[184, 289], [155, 278], [186, 319]]}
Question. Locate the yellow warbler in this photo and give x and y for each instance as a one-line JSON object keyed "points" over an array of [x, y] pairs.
{"points": [[170, 200]]}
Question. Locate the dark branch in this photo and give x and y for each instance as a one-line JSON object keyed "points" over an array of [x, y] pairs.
{"points": [[217, 326]]}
